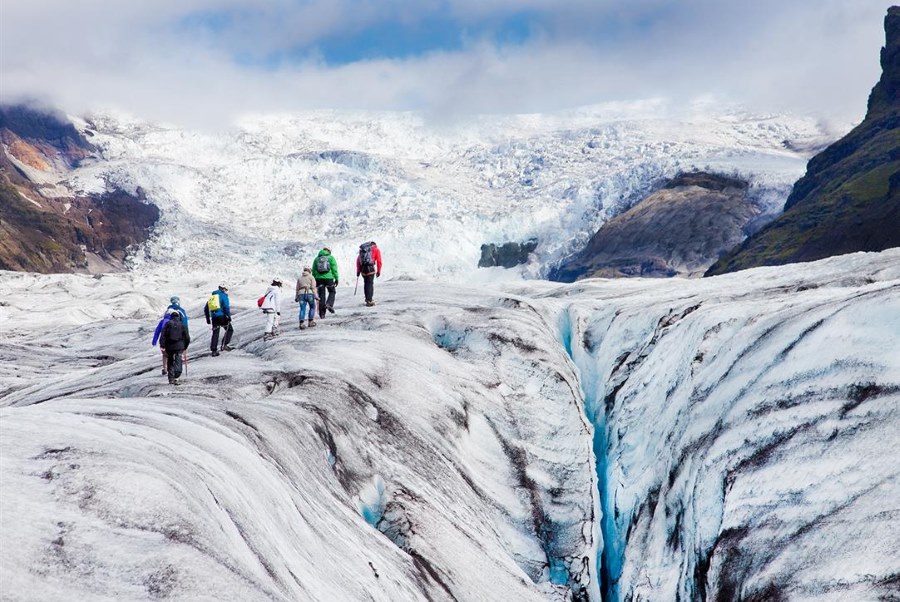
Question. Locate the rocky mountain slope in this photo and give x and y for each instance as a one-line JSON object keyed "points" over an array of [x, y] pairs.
{"points": [[46, 223], [729, 438], [680, 229], [849, 199]]}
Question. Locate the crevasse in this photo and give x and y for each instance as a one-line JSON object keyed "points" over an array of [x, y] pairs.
{"points": [[610, 554]]}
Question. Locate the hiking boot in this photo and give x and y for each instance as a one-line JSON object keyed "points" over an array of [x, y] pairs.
{"points": [[227, 348], [311, 323], [164, 372], [267, 336], [302, 325], [329, 308], [370, 303], [174, 382], [215, 354]]}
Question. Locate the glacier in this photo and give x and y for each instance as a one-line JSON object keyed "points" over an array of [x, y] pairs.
{"points": [[273, 189], [730, 438], [480, 434]]}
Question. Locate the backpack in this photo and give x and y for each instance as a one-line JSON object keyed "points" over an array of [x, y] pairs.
{"points": [[366, 259], [323, 266], [173, 332], [214, 303]]}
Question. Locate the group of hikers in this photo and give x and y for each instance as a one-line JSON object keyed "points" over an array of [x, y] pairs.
{"points": [[315, 290]]}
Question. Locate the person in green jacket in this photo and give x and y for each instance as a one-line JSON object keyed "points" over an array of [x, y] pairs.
{"points": [[325, 271]]}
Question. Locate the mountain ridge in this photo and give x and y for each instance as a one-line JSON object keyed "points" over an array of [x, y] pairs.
{"points": [[48, 225], [680, 229], [849, 198]]}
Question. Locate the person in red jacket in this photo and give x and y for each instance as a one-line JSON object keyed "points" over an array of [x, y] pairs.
{"points": [[368, 264]]}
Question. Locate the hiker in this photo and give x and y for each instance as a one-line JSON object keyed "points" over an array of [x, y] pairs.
{"points": [[325, 271], [271, 307], [368, 263], [175, 340], [157, 338], [306, 295], [218, 313], [174, 303]]}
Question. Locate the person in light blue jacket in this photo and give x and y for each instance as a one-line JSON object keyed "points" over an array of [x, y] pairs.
{"points": [[218, 313], [175, 303]]}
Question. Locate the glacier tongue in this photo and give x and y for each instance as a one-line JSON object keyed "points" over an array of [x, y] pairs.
{"points": [[273, 190], [439, 445]]}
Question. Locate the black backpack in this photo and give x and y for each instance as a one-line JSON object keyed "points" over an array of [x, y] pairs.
{"points": [[366, 257], [173, 332], [323, 266]]}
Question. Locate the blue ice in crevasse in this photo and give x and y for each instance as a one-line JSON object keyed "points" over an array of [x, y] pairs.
{"points": [[609, 563], [559, 574], [372, 500]]}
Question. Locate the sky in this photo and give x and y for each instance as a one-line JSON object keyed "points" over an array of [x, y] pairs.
{"points": [[211, 61]]}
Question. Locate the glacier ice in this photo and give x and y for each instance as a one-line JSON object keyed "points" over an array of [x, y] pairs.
{"points": [[745, 429], [474, 436], [274, 189]]}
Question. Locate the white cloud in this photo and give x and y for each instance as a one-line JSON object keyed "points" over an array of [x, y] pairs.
{"points": [[811, 56]]}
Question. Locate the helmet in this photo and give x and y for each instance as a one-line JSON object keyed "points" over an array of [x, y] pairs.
{"points": [[175, 300], [223, 286]]}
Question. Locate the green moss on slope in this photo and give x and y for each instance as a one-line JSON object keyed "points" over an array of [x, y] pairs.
{"points": [[849, 199]]}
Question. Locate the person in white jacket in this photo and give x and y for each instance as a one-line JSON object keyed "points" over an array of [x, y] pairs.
{"points": [[271, 307]]}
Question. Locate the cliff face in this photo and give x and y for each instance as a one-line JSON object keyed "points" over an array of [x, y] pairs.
{"points": [[44, 226], [849, 199], [886, 92], [678, 230]]}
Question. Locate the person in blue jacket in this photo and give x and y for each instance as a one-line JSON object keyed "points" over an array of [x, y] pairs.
{"points": [[175, 340], [174, 303], [156, 336], [218, 313]]}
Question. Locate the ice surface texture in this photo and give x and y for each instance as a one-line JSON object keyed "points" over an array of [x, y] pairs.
{"points": [[358, 460], [748, 442]]}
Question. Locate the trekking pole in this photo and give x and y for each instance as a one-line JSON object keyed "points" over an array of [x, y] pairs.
{"points": [[357, 285], [184, 359]]}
